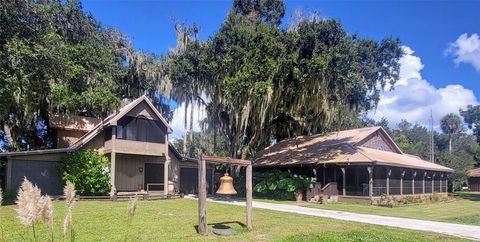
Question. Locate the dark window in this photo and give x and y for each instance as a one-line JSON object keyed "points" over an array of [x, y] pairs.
{"points": [[120, 134], [108, 133], [140, 129]]}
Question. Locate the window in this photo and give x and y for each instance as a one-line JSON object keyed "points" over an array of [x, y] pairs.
{"points": [[140, 129], [120, 134]]}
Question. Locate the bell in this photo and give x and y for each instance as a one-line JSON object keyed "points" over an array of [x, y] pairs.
{"points": [[226, 186]]}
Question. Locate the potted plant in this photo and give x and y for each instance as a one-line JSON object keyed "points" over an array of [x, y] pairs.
{"points": [[299, 184]]}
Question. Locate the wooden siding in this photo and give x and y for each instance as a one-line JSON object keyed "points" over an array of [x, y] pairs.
{"points": [[43, 173], [130, 170], [474, 184], [139, 147], [142, 109], [98, 143], [379, 142], [66, 138]]}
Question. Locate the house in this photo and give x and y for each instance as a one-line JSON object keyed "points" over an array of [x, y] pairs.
{"points": [[359, 163], [474, 180], [136, 141]]}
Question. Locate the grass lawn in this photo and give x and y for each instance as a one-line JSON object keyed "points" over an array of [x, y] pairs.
{"points": [[462, 211], [175, 220]]}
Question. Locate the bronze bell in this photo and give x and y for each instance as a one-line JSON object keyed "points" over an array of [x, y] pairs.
{"points": [[226, 186]]}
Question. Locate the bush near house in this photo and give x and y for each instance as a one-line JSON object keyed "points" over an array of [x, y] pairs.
{"points": [[280, 184], [88, 170]]}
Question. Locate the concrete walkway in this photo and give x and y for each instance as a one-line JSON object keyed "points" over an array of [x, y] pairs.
{"points": [[464, 231]]}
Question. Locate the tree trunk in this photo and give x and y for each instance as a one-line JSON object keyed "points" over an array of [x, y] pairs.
{"points": [[185, 126], [8, 134], [193, 102]]}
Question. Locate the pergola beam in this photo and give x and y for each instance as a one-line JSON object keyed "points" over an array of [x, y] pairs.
{"points": [[202, 189]]}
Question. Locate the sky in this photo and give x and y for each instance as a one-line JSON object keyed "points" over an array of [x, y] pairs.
{"points": [[440, 71]]}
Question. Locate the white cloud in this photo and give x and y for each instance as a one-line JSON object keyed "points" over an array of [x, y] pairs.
{"points": [[413, 97], [466, 50], [178, 121]]}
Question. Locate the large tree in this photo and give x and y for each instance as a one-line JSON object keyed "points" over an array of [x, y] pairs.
{"points": [[57, 58], [451, 124], [267, 83], [471, 116]]}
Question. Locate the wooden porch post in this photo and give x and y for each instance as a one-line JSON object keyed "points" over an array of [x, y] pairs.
{"points": [[249, 196], [344, 181], [413, 182], [433, 182], [113, 158], [202, 197], [423, 183], [446, 183], [441, 177], [370, 181], [401, 181], [389, 173], [165, 168]]}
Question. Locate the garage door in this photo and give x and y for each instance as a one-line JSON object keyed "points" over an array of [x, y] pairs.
{"points": [[44, 174], [189, 180]]}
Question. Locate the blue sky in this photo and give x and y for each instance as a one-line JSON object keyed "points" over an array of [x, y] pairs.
{"points": [[431, 78]]}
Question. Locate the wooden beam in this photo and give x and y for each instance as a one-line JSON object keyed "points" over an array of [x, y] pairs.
{"points": [[424, 175], [226, 160], [389, 173], [248, 185], [344, 181], [113, 161], [370, 181], [202, 197], [433, 182], [165, 168], [441, 177], [446, 183], [413, 182], [401, 181]]}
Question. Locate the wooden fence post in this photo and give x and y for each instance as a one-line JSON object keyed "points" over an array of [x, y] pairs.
{"points": [[249, 197], [202, 197]]}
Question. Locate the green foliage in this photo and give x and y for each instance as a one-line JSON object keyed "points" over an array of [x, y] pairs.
{"points": [[88, 170], [471, 116], [281, 184], [264, 82]]}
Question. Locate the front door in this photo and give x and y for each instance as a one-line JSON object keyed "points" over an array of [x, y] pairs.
{"points": [[153, 179]]}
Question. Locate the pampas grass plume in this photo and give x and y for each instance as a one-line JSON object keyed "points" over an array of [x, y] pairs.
{"points": [[47, 211], [30, 205], [69, 193], [132, 206]]}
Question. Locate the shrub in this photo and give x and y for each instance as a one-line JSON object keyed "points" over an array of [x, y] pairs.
{"points": [[88, 170], [281, 184]]}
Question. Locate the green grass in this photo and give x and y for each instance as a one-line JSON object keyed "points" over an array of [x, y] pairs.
{"points": [[175, 220], [465, 210]]}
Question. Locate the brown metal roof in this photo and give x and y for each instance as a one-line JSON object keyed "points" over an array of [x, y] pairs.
{"points": [[338, 148], [474, 172]]}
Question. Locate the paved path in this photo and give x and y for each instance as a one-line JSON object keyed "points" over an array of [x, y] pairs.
{"points": [[459, 230]]}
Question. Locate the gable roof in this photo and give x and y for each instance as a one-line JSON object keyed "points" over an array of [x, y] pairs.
{"points": [[113, 119], [339, 147], [92, 133], [474, 172]]}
